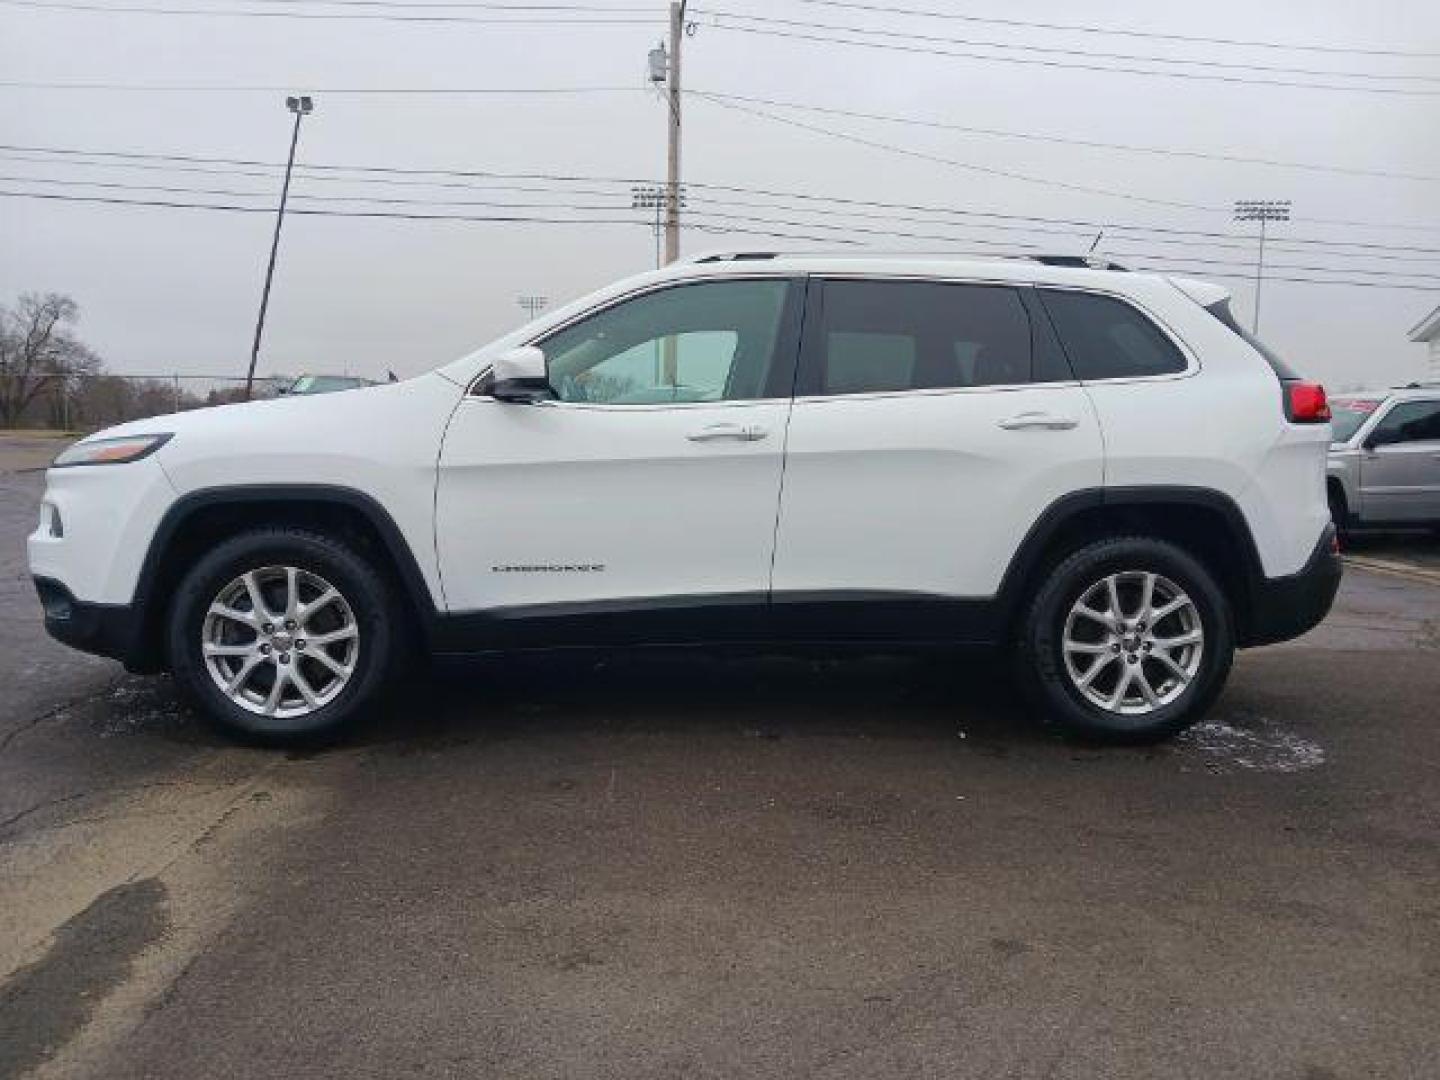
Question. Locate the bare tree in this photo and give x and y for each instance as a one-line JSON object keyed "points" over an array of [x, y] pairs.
{"points": [[38, 353]]}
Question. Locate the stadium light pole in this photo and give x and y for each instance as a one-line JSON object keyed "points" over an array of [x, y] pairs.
{"points": [[1261, 210], [653, 197], [301, 106], [532, 305]]}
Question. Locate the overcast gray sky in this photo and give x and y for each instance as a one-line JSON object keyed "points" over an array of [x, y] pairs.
{"points": [[165, 290]]}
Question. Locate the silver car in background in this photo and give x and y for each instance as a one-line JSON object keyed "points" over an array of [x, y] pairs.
{"points": [[1384, 467]]}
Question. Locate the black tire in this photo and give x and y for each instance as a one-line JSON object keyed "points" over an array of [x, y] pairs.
{"points": [[1042, 671], [365, 592], [1339, 514]]}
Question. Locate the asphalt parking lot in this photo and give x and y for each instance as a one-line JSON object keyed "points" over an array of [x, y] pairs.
{"points": [[698, 866]]}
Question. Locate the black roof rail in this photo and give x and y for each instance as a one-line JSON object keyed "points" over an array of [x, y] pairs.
{"points": [[1082, 262], [736, 256]]}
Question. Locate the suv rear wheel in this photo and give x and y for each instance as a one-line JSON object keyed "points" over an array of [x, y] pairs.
{"points": [[281, 635], [1128, 640]]}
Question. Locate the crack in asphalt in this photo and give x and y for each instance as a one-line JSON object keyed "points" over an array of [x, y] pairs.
{"points": [[56, 711], [125, 789], [43, 804]]}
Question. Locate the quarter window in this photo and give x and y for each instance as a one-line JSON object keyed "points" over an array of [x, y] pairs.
{"points": [[877, 336], [708, 341], [1106, 338], [1410, 421]]}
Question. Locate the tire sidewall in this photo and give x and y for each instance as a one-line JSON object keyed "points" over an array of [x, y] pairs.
{"points": [[1061, 702], [358, 583]]}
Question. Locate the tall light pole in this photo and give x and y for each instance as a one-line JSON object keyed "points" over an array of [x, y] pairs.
{"points": [[301, 107], [652, 197], [1261, 210], [533, 305]]}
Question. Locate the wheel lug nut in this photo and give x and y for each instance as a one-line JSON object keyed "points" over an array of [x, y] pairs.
{"points": [[1115, 647], [268, 628], [299, 645], [289, 624], [264, 650]]}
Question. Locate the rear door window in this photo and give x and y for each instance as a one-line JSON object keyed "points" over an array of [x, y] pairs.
{"points": [[1106, 338], [882, 336]]}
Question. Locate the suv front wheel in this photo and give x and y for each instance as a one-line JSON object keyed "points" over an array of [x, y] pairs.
{"points": [[281, 635], [1128, 640]]}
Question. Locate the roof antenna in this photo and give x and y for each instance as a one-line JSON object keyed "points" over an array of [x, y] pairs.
{"points": [[1096, 244]]}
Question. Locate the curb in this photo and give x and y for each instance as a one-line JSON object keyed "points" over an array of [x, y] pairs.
{"points": [[1409, 571]]}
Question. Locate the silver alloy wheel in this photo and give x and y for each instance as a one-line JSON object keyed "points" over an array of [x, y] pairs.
{"points": [[1133, 642], [280, 641]]}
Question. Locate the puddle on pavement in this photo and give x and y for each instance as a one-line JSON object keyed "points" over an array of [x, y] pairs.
{"points": [[1261, 746]]}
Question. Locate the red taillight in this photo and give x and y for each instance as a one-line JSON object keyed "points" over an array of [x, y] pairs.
{"points": [[1305, 403]]}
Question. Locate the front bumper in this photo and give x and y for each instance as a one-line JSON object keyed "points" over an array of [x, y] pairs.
{"points": [[1286, 607], [112, 630]]}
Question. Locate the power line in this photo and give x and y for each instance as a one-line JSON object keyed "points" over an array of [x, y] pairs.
{"points": [[480, 5], [399, 174], [1226, 65], [722, 227], [497, 219], [241, 88], [938, 159], [891, 118], [867, 42], [523, 19], [922, 155], [1074, 233], [1116, 31], [727, 215]]}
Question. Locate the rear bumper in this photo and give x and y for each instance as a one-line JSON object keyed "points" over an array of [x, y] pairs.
{"points": [[1286, 607], [112, 630]]}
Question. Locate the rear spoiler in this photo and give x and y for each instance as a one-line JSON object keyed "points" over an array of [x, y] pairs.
{"points": [[1205, 293]]}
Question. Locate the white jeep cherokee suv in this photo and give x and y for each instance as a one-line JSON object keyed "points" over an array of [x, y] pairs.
{"points": [[1094, 471]]}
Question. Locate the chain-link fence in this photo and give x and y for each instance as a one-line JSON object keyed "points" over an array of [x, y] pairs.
{"points": [[90, 402]]}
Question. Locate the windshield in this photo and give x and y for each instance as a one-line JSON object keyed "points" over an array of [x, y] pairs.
{"points": [[1347, 414]]}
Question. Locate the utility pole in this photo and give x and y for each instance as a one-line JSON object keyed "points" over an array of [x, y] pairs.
{"points": [[672, 170], [1261, 210], [301, 107]]}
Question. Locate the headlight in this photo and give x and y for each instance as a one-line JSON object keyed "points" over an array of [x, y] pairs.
{"points": [[110, 451]]}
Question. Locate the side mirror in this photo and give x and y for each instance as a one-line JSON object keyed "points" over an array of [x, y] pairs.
{"points": [[519, 376]]}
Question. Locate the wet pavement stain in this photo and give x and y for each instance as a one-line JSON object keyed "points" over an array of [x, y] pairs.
{"points": [[43, 1005]]}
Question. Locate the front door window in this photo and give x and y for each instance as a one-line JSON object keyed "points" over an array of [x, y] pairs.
{"points": [[707, 341]]}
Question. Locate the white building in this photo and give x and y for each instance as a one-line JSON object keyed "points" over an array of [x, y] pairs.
{"points": [[1427, 332]]}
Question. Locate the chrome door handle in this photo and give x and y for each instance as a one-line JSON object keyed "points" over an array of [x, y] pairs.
{"points": [[739, 432], [1042, 420]]}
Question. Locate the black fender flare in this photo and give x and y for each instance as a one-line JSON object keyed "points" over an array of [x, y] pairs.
{"points": [[412, 581], [1027, 560]]}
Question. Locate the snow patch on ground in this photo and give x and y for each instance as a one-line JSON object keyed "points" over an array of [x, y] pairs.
{"points": [[1261, 747]]}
